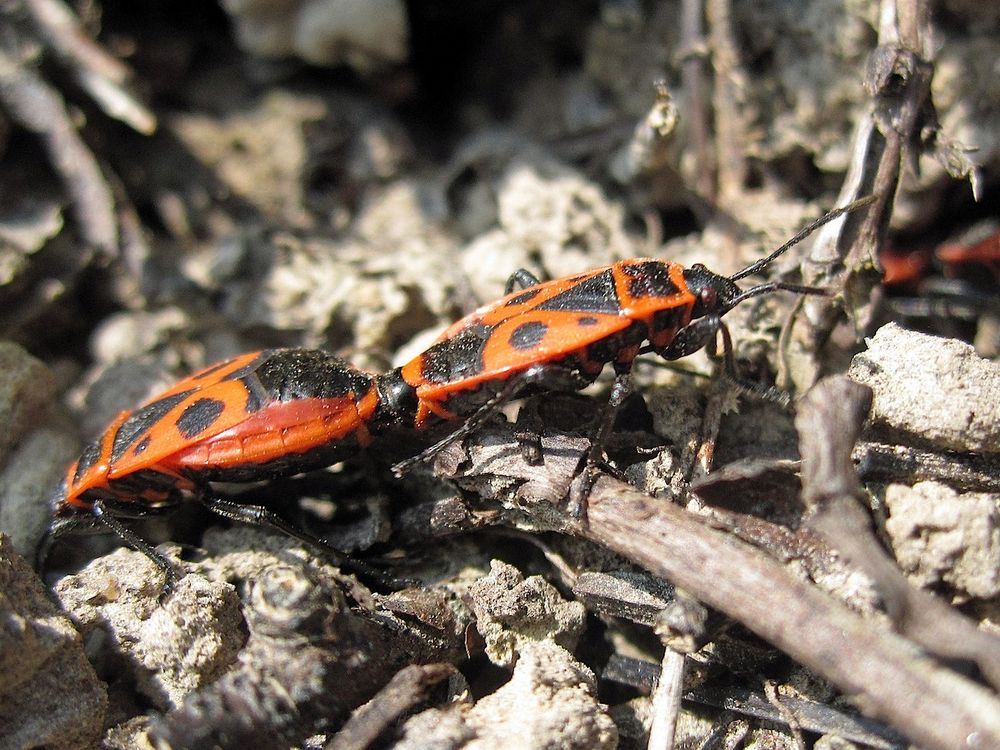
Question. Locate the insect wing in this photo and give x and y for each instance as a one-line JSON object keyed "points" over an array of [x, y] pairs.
{"points": [[209, 402]]}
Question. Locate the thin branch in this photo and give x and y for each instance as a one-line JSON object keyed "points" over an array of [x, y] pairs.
{"points": [[102, 76], [844, 254], [405, 693], [729, 93], [829, 421], [666, 701], [37, 107], [885, 462], [814, 717], [696, 121], [889, 676]]}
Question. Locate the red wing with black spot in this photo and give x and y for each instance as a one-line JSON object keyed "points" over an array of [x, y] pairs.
{"points": [[271, 412], [124, 448], [209, 402], [549, 322]]}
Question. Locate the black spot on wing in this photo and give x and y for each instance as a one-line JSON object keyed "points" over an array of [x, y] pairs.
{"points": [[595, 294], [649, 279], [586, 320], [141, 446], [456, 358], [141, 421], [525, 296], [199, 416], [527, 335]]}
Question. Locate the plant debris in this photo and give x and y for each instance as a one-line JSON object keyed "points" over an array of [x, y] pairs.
{"points": [[796, 570]]}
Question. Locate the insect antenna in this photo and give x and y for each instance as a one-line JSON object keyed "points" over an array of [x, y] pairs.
{"points": [[801, 235], [773, 286]]}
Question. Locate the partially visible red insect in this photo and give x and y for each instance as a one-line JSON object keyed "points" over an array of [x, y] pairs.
{"points": [[907, 268], [984, 252], [948, 289], [559, 335], [256, 416]]}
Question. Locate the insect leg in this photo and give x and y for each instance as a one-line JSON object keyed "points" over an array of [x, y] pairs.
{"points": [[59, 528], [547, 376], [258, 515], [584, 480], [694, 337], [701, 333], [473, 423], [529, 432], [521, 278], [103, 517]]}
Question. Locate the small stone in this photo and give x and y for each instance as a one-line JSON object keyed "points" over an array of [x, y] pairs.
{"points": [[942, 536], [49, 693], [513, 611], [938, 390]]}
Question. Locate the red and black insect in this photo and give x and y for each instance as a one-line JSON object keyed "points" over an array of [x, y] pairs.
{"points": [[257, 416], [281, 412], [559, 335]]}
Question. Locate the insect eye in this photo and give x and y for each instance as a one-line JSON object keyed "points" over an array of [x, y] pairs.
{"points": [[708, 297]]}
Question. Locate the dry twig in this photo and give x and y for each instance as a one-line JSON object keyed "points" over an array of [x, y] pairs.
{"points": [[844, 254], [968, 472], [102, 76], [829, 421], [888, 675], [667, 701], [696, 120], [814, 717], [37, 107], [729, 94], [406, 692]]}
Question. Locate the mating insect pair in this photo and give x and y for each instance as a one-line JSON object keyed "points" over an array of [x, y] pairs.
{"points": [[281, 412]]}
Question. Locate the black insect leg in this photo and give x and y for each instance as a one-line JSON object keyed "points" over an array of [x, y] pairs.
{"points": [[547, 376], [59, 528], [470, 425], [529, 432], [102, 516], [258, 515], [702, 333], [583, 481], [695, 336], [522, 278]]}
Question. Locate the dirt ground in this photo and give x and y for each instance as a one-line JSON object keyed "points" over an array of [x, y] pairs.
{"points": [[184, 182]]}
